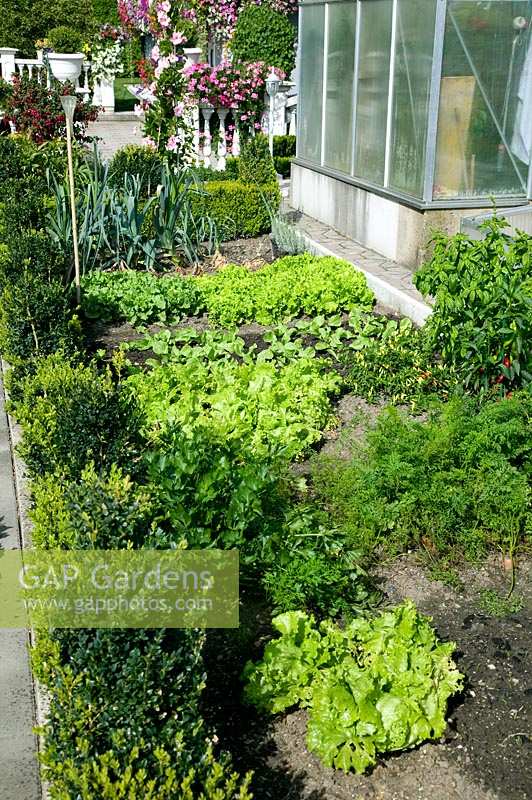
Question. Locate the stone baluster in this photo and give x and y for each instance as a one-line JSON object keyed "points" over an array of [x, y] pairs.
{"points": [[222, 143], [195, 118], [85, 88], [235, 150], [207, 139], [292, 128], [7, 62]]}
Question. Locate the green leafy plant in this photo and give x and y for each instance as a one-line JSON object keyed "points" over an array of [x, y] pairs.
{"points": [[457, 484], [318, 583], [230, 173], [265, 408], [262, 34], [287, 288], [287, 238], [143, 726], [71, 415], [209, 492], [239, 209], [119, 227], [109, 778], [394, 360], [376, 686], [65, 40], [482, 316], [23, 22], [105, 510], [499, 605], [136, 160], [283, 166], [181, 234], [138, 297], [35, 318], [255, 164], [284, 146]]}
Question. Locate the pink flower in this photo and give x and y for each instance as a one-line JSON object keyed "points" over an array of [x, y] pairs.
{"points": [[178, 38], [164, 19], [172, 145]]}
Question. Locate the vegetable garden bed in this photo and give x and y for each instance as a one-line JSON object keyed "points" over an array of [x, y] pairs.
{"points": [[273, 411]]}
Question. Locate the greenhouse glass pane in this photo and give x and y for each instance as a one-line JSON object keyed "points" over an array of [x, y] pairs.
{"points": [[372, 89], [413, 69], [339, 95], [311, 82], [485, 119]]}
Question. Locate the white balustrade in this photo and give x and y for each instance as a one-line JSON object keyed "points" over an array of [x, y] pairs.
{"points": [[7, 62], [195, 119], [224, 133], [219, 124], [236, 142], [36, 68]]}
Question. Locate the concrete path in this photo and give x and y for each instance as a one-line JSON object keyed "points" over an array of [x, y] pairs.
{"points": [[391, 282], [19, 771], [115, 131]]}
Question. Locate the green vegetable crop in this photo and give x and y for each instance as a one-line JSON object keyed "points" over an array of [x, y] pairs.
{"points": [[376, 686], [288, 288]]}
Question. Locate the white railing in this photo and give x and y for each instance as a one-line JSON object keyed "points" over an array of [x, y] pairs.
{"points": [[36, 68], [216, 134], [213, 139]]}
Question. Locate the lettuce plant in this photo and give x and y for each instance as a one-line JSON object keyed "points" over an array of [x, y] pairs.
{"points": [[377, 685]]}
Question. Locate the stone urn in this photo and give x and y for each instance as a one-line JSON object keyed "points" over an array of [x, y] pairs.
{"points": [[66, 66]]}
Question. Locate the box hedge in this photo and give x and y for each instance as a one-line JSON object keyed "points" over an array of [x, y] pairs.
{"points": [[240, 210]]}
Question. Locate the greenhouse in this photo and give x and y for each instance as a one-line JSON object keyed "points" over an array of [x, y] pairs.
{"points": [[425, 102]]}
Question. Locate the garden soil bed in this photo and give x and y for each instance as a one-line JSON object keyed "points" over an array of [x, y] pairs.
{"points": [[486, 752], [252, 252]]}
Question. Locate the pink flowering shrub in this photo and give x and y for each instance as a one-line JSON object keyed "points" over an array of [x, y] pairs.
{"points": [[238, 87], [286, 7], [167, 124], [220, 16], [135, 15], [170, 91]]}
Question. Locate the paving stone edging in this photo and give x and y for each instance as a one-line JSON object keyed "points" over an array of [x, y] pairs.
{"points": [[391, 282], [23, 502]]}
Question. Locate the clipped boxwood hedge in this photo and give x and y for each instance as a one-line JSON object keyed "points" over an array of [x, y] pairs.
{"points": [[284, 146], [283, 165], [241, 210]]}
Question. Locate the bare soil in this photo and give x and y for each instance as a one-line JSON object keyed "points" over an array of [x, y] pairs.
{"points": [[254, 253], [486, 752]]}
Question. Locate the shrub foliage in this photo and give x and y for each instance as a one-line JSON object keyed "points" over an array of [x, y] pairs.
{"points": [[262, 34]]}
